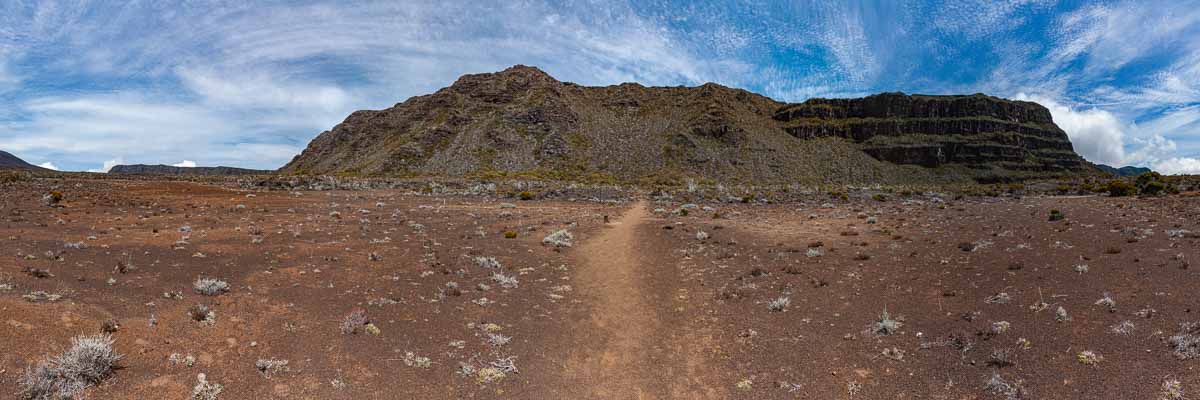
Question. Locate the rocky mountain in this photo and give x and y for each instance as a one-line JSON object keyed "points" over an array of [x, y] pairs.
{"points": [[523, 122], [9, 161], [143, 169], [1127, 170]]}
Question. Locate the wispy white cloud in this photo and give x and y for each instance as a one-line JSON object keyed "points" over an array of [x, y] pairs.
{"points": [[1108, 37], [977, 19]]}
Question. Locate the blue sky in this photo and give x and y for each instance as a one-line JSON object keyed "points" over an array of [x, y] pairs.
{"points": [[85, 84]]}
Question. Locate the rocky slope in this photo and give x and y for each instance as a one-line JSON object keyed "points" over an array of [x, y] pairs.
{"points": [[9, 161], [521, 121], [141, 169]]}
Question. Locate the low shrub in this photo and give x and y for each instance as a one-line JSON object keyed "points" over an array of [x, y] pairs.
{"points": [[89, 361], [1120, 188]]}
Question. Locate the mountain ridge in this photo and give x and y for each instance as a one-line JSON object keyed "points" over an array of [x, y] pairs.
{"points": [[160, 169], [521, 121], [1127, 170], [9, 161]]}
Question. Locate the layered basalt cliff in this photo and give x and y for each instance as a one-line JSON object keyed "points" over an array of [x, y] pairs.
{"points": [[975, 131]]}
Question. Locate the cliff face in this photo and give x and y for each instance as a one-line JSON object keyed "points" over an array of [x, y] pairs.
{"points": [[522, 121], [975, 131], [139, 169]]}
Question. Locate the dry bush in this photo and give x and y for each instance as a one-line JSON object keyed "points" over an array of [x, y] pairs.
{"points": [[89, 361]]}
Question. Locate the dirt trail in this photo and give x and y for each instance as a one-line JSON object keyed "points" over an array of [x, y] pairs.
{"points": [[630, 346], [610, 275]]}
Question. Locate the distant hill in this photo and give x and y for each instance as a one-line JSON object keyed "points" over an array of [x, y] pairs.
{"points": [[9, 161], [521, 121], [143, 169], [1124, 171]]}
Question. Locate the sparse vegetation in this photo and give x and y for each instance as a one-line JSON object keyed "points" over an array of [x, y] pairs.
{"points": [[206, 390], [1124, 328], [1002, 357], [886, 325], [353, 321], [53, 198], [505, 281], [210, 286], [89, 361], [1172, 389], [271, 366], [560, 238], [1060, 314], [998, 386], [202, 314], [1088, 357], [1107, 302], [779, 304], [1185, 344]]}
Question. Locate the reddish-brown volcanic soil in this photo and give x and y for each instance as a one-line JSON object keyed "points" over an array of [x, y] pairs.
{"points": [[640, 307]]}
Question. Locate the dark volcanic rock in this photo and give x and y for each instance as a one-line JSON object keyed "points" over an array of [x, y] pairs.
{"points": [[9, 161], [523, 122], [975, 131], [143, 169]]}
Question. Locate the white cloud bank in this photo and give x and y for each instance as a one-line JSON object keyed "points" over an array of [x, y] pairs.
{"points": [[1178, 166], [1100, 137], [48, 165], [1096, 134], [185, 164], [108, 165]]}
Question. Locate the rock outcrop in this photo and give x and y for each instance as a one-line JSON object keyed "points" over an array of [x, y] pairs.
{"points": [[523, 122], [143, 169]]}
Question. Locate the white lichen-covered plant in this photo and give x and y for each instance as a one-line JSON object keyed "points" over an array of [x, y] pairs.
{"points": [[269, 367], [560, 238], [506, 281], [487, 262], [89, 361], [779, 304], [206, 390], [210, 286]]}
